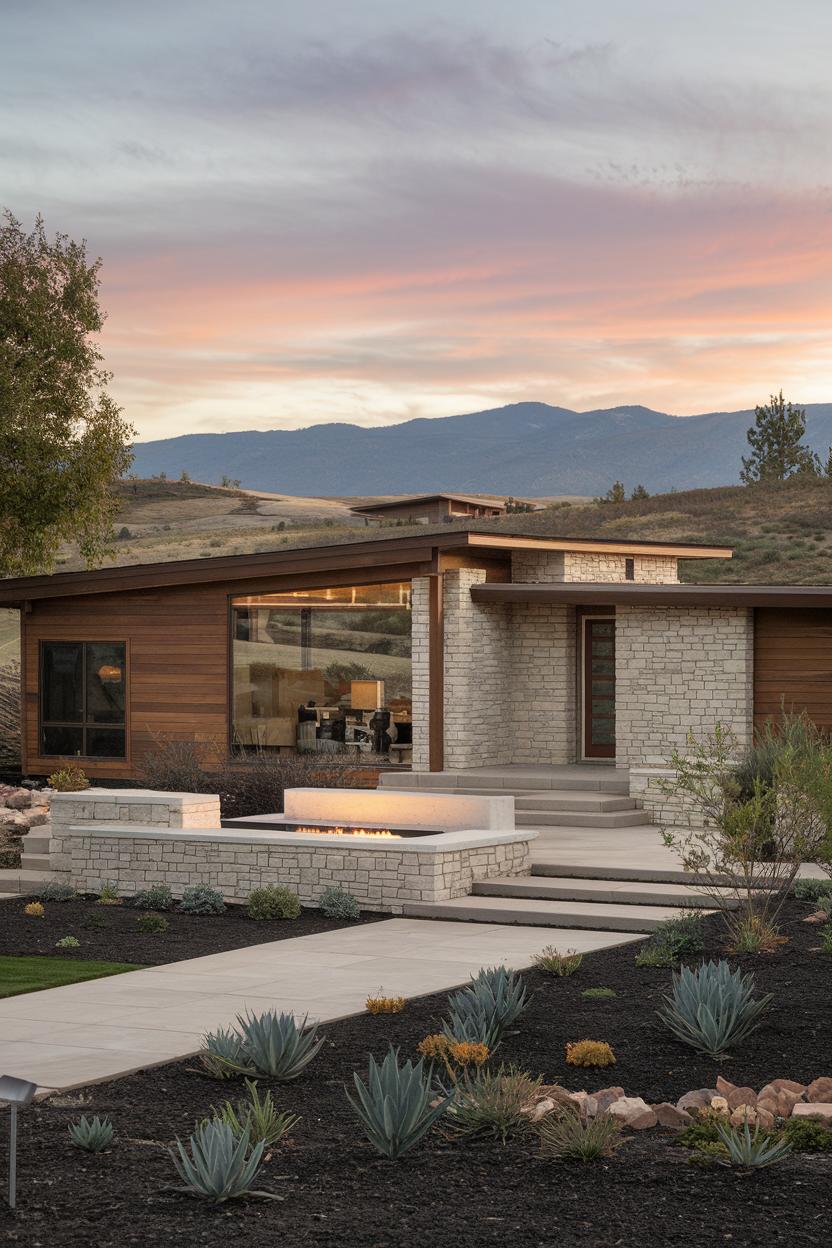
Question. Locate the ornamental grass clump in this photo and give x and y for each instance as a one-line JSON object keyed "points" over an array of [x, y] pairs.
{"points": [[713, 1008], [275, 1045], [492, 1103], [751, 1150], [336, 903], [257, 1116], [385, 1005], [274, 902], [589, 1053], [93, 1135], [483, 1012], [554, 963], [220, 1165], [396, 1107], [565, 1136]]}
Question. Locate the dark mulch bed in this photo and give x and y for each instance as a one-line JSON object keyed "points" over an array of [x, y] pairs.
{"points": [[338, 1193], [189, 935]]}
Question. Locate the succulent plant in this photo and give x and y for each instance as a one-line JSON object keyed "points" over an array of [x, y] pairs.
{"points": [[481, 1013], [223, 1055], [257, 1116], [713, 1008], [751, 1149], [277, 1046], [220, 1165], [94, 1135], [336, 903], [395, 1106]]}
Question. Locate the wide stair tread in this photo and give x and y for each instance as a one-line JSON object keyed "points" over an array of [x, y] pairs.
{"points": [[632, 874], [533, 912], [505, 782], [20, 880], [549, 888], [581, 819]]}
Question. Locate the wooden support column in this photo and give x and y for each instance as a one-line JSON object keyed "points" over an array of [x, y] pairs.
{"points": [[436, 673]]}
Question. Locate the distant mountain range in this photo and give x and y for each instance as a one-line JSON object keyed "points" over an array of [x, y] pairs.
{"points": [[524, 448]]}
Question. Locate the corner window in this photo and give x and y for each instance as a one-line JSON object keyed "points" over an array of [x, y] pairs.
{"points": [[82, 699]]}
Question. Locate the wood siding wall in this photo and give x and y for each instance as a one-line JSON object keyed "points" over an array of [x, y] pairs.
{"points": [[793, 664]]}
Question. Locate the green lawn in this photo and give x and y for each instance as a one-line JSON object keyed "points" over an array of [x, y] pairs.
{"points": [[30, 974]]}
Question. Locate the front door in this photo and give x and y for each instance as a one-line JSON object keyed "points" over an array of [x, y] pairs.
{"points": [[598, 692]]}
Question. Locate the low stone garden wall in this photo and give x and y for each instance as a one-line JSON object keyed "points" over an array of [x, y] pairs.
{"points": [[670, 810]]}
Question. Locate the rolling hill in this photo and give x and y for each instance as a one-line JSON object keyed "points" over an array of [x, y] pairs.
{"points": [[525, 448]]}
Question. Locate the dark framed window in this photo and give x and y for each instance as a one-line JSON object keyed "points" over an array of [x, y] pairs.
{"points": [[83, 699], [629, 569]]}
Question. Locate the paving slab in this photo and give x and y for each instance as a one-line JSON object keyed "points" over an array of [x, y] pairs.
{"points": [[87, 1032]]}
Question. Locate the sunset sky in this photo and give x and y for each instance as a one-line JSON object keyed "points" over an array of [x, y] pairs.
{"points": [[367, 211]]}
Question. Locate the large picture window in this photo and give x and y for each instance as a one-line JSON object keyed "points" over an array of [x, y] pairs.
{"points": [[325, 670], [82, 699]]}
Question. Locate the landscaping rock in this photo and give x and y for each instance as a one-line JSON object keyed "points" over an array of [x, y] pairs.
{"points": [[765, 1119], [788, 1084], [698, 1099], [742, 1114], [820, 1091], [600, 1102], [814, 1109], [548, 1097], [779, 1101], [20, 799], [668, 1115], [719, 1105], [723, 1087], [741, 1096], [633, 1112]]}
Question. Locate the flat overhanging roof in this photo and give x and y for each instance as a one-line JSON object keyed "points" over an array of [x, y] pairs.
{"points": [[594, 594], [343, 558]]}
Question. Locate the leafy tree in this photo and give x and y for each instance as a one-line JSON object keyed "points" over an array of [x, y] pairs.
{"points": [[615, 494], [62, 438], [776, 441], [639, 493]]}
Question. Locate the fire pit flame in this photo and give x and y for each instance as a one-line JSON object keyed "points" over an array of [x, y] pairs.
{"points": [[344, 831]]}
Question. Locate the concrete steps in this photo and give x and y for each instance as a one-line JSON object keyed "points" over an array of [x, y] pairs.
{"points": [[631, 893], [576, 778], [543, 817], [24, 880], [537, 912]]}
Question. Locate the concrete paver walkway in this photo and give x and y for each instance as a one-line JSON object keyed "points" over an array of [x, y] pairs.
{"points": [[80, 1033]]}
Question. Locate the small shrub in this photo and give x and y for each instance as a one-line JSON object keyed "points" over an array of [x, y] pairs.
{"points": [[258, 1117], [109, 895], [68, 942], [565, 1137], [336, 903], [491, 1103], [713, 1008], [94, 920], [396, 1105], [813, 890], [34, 909], [385, 1005], [752, 1150], [599, 994], [826, 938], [482, 1012], [807, 1135], [589, 1053], [673, 940], [220, 1165], [201, 899], [94, 1135], [157, 897], [276, 1046], [273, 902], [55, 891], [68, 780], [709, 1153], [554, 963], [654, 955], [702, 1131], [152, 924]]}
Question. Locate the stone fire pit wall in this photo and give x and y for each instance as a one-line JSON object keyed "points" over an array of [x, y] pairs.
{"points": [[382, 875]]}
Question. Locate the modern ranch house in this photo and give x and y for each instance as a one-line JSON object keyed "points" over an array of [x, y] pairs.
{"points": [[437, 651]]}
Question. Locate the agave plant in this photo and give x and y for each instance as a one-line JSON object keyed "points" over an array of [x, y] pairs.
{"points": [[713, 1008], [92, 1134], [482, 1012], [219, 1166], [257, 1116], [223, 1055], [395, 1106], [277, 1046], [752, 1150]]}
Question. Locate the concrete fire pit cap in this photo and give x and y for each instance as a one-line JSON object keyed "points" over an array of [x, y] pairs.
{"points": [[442, 842]]}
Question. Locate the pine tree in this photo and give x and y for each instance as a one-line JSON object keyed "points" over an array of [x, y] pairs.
{"points": [[615, 494], [776, 441], [639, 493]]}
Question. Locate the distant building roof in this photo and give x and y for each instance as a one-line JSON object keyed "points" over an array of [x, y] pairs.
{"points": [[476, 500]]}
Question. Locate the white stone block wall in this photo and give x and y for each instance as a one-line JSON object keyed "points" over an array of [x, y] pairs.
{"points": [[542, 684], [420, 641], [680, 669], [168, 810], [535, 567], [672, 810], [478, 646], [382, 879]]}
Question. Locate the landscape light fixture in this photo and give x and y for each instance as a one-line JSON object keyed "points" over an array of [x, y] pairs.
{"points": [[17, 1094]]}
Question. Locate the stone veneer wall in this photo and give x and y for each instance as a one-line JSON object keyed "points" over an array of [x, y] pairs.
{"points": [[382, 879], [542, 684], [678, 670], [669, 810], [531, 566], [420, 649], [478, 644]]}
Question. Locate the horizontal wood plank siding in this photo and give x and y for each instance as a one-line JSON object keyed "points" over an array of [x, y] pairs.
{"points": [[177, 666], [793, 664]]}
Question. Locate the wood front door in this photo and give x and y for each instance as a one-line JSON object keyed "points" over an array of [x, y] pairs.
{"points": [[598, 692]]}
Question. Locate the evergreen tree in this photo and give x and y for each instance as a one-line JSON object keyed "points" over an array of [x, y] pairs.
{"points": [[639, 493], [615, 494], [776, 441]]}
